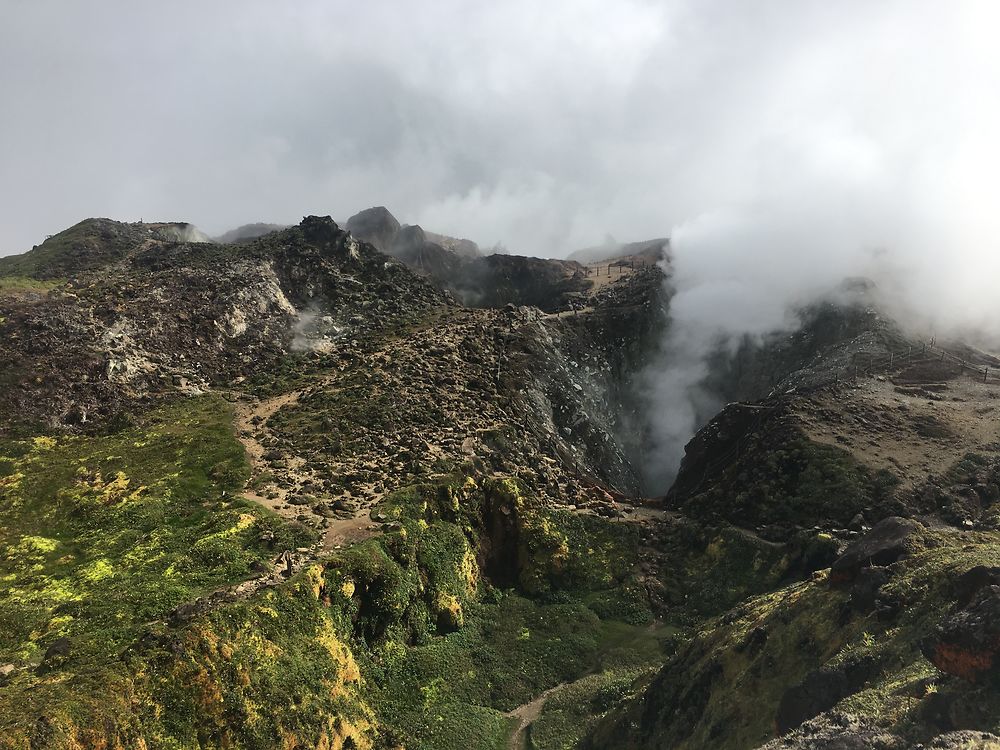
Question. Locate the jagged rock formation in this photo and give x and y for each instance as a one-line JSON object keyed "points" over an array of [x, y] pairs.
{"points": [[491, 281], [375, 226], [159, 311]]}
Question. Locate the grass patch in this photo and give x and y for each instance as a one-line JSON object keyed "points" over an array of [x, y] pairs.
{"points": [[104, 535], [27, 284]]}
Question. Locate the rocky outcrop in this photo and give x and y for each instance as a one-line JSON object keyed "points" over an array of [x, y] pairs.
{"points": [[967, 643], [376, 226], [837, 731], [821, 690], [168, 313], [886, 543]]}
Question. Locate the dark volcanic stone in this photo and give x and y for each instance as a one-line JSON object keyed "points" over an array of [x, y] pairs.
{"points": [[818, 692], [883, 545], [374, 225], [864, 595], [967, 643], [972, 581]]}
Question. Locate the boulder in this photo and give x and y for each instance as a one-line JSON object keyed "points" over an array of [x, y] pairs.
{"points": [[967, 643], [822, 689], [972, 581], [864, 594], [376, 226], [818, 692], [57, 652], [888, 541]]}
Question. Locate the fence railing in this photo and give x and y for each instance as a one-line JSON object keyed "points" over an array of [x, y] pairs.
{"points": [[605, 268]]}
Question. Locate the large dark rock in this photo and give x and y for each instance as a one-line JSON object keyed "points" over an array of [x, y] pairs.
{"points": [[818, 692], [408, 239], [822, 689], [376, 226], [967, 643], [886, 543], [864, 594], [972, 581], [57, 653]]}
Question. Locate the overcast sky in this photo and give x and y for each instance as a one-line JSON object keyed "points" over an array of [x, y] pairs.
{"points": [[543, 125]]}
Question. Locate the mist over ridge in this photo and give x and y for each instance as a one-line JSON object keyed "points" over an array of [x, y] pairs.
{"points": [[791, 137]]}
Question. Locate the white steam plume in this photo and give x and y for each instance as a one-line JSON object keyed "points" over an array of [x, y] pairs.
{"points": [[875, 163]]}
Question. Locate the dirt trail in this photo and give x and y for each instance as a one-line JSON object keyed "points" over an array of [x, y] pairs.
{"points": [[406, 409], [251, 419], [346, 531], [527, 714], [601, 278], [252, 430]]}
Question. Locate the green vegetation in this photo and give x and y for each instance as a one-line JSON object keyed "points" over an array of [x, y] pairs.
{"points": [[401, 639], [102, 535], [734, 673], [449, 651], [84, 246], [711, 570], [630, 659], [794, 481], [26, 284]]}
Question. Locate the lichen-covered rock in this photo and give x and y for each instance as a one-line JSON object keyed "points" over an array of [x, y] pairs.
{"points": [[837, 731]]}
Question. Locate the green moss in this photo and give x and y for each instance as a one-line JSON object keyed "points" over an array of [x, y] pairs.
{"points": [[255, 671], [570, 713], [400, 638]]}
